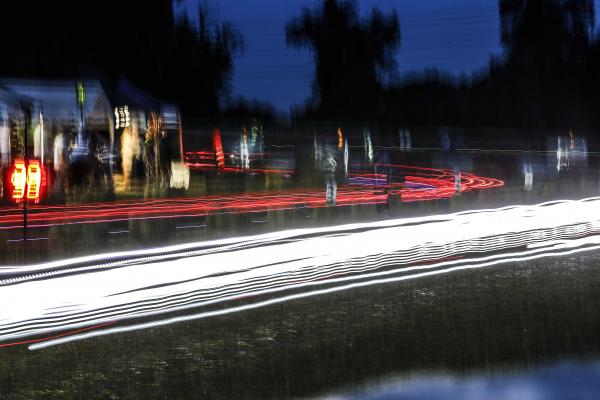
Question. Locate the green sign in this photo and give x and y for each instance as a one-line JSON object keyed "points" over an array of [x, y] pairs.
{"points": [[80, 93]]}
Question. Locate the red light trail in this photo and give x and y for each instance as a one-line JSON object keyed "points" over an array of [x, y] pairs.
{"points": [[62, 335], [422, 184]]}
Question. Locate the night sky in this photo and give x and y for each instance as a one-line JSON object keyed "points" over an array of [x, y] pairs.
{"points": [[454, 35]]}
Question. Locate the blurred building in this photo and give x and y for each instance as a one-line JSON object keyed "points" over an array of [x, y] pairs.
{"points": [[76, 129]]}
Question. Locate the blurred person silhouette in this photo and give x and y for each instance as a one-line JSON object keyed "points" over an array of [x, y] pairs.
{"points": [[571, 139], [329, 166], [148, 155], [256, 139], [130, 150], [4, 140], [444, 137], [4, 147], [368, 144], [80, 162], [383, 167], [346, 159], [165, 157], [102, 171], [404, 139], [59, 152], [562, 155], [528, 175], [244, 149], [382, 155]]}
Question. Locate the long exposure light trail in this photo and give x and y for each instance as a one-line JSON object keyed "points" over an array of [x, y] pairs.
{"points": [[264, 269], [423, 183], [491, 261], [184, 207], [283, 299], [438, 184]]}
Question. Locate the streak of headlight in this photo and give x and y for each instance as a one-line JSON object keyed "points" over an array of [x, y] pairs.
{"points": [[84, 318], [222, 243], [288, 298], [571, 214]]}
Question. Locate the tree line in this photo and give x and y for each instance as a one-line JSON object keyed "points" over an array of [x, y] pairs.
{"points": [[167, 55], [545, 78]]}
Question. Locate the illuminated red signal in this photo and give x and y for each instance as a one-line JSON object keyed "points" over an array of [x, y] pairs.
{"points": [[18, 180], [27, 180], [34, 180]]}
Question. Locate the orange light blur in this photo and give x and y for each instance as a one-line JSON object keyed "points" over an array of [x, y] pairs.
{"points": [[340, 138], [34, 180], [218, 148], [28, 181], [18, 180]]}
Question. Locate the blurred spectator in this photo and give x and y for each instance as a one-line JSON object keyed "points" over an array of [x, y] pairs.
{"points": [[329, 166], [130, 150], [148, 155]]}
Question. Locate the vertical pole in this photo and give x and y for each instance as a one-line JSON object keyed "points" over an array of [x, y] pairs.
{"points": [[81, 117], [157, 139], [179, 122], [42, 137], [25, 148]]}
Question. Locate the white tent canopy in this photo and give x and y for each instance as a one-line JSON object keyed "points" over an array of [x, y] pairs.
{"points": [[58, 99]]}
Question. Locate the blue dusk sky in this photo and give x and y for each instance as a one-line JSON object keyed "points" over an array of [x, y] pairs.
{"points": [[457, 36]]}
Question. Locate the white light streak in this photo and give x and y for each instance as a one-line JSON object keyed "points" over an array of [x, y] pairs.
{"points": [[284, 299], [304, 263]]}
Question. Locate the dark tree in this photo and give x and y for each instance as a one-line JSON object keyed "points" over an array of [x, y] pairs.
{"points": [[546, 34], [350, 55], [546, 45], [62, 38], [166, 56], [202, 64], [547, 77]]}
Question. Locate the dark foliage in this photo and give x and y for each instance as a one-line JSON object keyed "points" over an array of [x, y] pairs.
{"points": [[351, 56], [546, 78], [143, 41]]}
